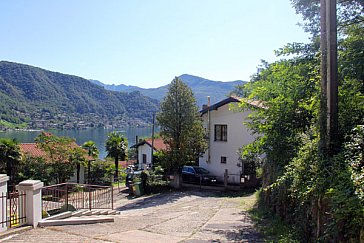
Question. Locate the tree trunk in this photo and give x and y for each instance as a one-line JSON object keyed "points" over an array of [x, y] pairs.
{"points": [[88, 172], [116, 176], [78, 172]]}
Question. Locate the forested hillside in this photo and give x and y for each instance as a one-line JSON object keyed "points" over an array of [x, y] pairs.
{"points": [[35, 97], [201, 88]]}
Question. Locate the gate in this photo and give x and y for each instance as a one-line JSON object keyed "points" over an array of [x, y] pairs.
{"points": [[13, 209], [73, 196]]}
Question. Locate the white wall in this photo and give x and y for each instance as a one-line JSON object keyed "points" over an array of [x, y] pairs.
{"points": [[82, 176], [237, 136], [144, 149]]}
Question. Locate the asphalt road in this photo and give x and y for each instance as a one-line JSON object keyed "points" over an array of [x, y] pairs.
{"points": [[185, 216]]}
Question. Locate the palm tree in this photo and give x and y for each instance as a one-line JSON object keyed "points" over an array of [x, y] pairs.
{"points": [[93, 151], [116, 147], [10, 156], [77, 156]]}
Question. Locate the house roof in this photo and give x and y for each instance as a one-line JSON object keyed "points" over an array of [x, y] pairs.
{"points": [[232, 99], [32, 149], [158, 144], [219, 104]]}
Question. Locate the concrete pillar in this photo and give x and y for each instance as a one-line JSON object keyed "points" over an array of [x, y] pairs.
{"points": [[33, 191], [3, 191], [176, 181], [226, 177]]}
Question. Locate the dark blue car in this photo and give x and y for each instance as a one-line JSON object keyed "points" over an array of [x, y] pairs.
{"points": [[197, 175]]}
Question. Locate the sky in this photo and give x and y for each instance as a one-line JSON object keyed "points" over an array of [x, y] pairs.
{"points": [[147, 43]]}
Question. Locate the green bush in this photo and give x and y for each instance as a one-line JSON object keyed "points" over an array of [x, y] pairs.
{"points": [[155, 181], [101, 172], [313, 190]]}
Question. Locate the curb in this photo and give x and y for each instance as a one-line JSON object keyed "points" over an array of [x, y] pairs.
{"points": [[14, 231]]}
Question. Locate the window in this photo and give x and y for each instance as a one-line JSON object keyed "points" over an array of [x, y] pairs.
{"points": [[221, 133], [144, 158], [223, 160]]}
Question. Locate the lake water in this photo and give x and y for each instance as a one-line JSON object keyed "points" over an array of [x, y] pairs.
{"points": [[98, 135]]}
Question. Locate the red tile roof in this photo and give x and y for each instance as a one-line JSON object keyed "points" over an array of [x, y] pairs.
{"points": [[32, 150], [124, 164], [158, 144]]}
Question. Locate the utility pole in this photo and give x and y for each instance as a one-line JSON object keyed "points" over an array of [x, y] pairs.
{"points": [[332, 76], [208, 130], [329, 91], [323, 148], [151, 155], [329, 78]]}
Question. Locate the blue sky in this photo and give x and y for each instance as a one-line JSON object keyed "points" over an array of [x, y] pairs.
{"points": [[147, 42]]}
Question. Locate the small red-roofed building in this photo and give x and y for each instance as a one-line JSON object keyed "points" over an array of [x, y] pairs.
{"points": [[32, 150], [144, 150]]}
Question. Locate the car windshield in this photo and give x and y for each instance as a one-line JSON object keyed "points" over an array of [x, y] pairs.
{"points": [[200, 170]]}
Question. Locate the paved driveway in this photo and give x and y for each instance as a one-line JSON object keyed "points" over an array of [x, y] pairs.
{"points": [[187, 216]]}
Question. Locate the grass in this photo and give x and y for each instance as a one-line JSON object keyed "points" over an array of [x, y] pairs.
{"points": [[13, 125], [120, 184], [271, 226]]}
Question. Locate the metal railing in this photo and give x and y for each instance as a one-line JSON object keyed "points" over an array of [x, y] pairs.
{"points": [[13, 209], [71, 196]]}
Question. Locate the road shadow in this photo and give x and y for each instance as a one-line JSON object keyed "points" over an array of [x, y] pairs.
{"points": [[173, 196]]}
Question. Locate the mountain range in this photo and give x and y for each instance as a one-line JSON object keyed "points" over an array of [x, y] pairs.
{"points": [[37, 98], [33, 97], [201, 87]]}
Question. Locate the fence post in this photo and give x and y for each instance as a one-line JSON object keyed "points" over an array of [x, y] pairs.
{"points": [[33, 203], [89, 198], [112, 197], [3, 193], [66, 199]]}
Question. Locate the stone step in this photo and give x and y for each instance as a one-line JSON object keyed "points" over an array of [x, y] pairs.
{"points": [[86, 213], [113, 212], [79, 212], [76, 221], [60, 216]]}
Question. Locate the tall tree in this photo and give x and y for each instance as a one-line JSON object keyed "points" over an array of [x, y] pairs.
{"points": [[77, 157], [181, 125], [116, 147], [92, 151], [60, 154], [350, 12], [10, 156], [296, 178]]}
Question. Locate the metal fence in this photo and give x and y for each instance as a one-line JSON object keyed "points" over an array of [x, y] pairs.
{"points": [[71, 196], [13, 209]]}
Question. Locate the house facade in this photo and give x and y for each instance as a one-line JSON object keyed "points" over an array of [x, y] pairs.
{"points": [[144, 151], [226, 135]]}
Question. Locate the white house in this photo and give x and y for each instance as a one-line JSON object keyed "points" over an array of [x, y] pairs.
{"points": [[144, 150], [226, 135]]}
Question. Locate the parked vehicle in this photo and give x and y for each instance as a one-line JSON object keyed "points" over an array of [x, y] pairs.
{"points": [[198, 175]]}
